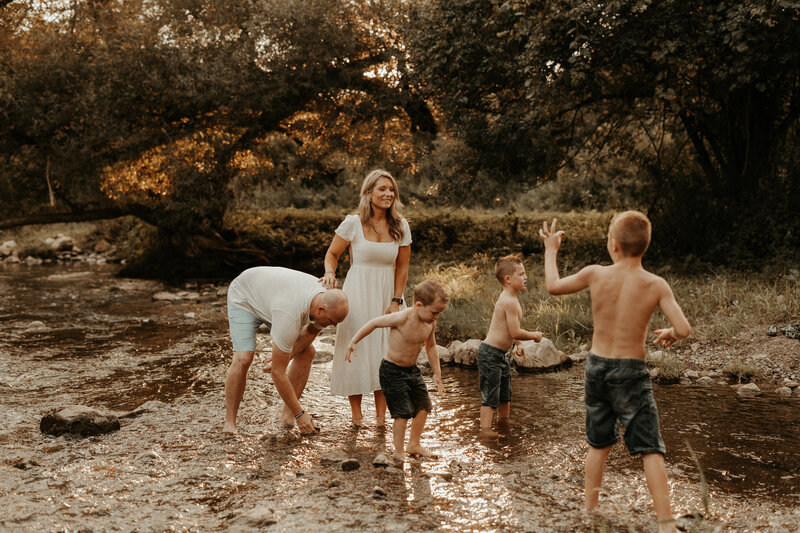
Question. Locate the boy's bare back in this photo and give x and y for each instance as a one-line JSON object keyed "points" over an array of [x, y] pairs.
{"points": [[624, 297]]}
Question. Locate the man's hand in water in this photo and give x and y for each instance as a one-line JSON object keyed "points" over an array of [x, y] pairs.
{"points": [[306, 424]]}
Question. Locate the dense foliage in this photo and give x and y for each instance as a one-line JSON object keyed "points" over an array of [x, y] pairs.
{"points": [[179, 112]]}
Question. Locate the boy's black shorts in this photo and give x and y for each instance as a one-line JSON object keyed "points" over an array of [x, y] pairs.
{"points": [[404, 389]]}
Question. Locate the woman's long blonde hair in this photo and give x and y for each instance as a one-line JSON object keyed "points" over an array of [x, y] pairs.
{"points": [[393, 215]]}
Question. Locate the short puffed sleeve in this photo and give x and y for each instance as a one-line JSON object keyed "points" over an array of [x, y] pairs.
{"points": [[406, 240], [347, 229]]}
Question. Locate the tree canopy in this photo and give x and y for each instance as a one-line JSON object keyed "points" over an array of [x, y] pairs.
{"points": [[162, 108]]}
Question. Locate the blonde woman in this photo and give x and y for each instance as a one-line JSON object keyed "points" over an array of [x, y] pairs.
{"points": [[379, 240]]}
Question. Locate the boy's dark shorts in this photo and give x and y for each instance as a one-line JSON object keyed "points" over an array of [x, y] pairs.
{"points": [[404, 389], [495, 375], [620, 389]]}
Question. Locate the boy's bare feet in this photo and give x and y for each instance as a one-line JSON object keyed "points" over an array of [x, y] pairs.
{"points": [[399, 458], [380, 421], [488, 433], [230, 429], [420, 451], [357, 421]]}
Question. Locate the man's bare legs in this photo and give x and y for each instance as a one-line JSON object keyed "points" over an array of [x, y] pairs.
{"points": [[298, 372], [380, 408], [235, 381], [487, 414], [656, 475], [417, 425], [355, 409], [593, 475]]}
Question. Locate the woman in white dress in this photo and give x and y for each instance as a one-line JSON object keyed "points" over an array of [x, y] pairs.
{"points": [[379, 239]]}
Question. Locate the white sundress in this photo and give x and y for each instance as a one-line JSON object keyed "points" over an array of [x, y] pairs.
{"points": [[369, 286]]}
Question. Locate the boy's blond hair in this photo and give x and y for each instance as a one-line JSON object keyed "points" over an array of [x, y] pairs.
{"points": [[506, 266], [631, 230], [428, 291]]}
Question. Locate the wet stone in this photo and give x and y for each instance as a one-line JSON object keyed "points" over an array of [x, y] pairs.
{"points": [[253, 520], [79, 420], [783, 391], [380, 460], [749, 391], [333, 457], [692, 374], [378, 492], [538, 356], [705, 381], [350, 464], [148, 456], [164, 296]]}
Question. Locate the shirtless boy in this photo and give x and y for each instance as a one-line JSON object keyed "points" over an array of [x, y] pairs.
{"points": [[405, 391], [617, 384], [504, 332]]}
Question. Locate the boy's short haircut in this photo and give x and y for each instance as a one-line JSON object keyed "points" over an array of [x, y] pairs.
{"points": [[506, 266], [631, 230], [428, 291]]}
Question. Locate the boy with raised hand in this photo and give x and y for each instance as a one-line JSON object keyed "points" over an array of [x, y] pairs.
{"points": [[405, 391], [617, 384], [504, 332]]}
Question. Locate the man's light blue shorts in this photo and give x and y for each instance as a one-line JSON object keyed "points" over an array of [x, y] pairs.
{"points": [[243, 325]]}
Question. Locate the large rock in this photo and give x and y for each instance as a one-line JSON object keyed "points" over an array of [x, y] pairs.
{"points": [[445, 357], [465, 353], [783, 391], [79, 420], [59, 242], [540, 356], [7, 248], [748, 391]]}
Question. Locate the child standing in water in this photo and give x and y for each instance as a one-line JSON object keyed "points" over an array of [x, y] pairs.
{"points": [[504, 332], [617, 384], [405, 391]]}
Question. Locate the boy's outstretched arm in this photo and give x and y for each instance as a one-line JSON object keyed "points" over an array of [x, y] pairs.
{"points": [[674, 314], [382, 321], [556, 285], [433, 359]]}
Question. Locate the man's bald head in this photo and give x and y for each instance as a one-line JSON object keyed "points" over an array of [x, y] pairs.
{"points": [[336, 305]]}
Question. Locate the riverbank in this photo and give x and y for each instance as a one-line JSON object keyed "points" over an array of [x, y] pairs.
{"points": [[77, 335]]}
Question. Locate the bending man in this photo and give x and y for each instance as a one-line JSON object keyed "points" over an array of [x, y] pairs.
{"points": [[295, 307]]}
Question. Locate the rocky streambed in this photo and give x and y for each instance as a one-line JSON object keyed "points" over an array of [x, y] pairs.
{"points": [[78, 335]]}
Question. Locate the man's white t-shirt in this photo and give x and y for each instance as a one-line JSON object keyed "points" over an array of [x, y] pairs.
{"points": [[279, 296]]}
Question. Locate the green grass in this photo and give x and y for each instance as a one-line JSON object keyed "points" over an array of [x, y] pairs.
{"points": [[719, 305]]}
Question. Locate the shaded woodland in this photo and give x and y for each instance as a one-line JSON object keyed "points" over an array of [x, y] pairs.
{"points": [[180, 111]]}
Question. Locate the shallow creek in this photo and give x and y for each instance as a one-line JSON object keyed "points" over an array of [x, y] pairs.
{"points": [[80, 336]]}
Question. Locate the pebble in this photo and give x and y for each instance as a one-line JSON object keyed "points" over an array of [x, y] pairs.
{"points": [[692, 374], [190, 315], [378, 492], [783, 391], [705, 381], [148, 456], [393, 470], [380, 460], [792, 384]]}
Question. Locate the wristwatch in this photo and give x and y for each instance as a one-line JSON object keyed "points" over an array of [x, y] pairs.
{"points": [[398, 300]]}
